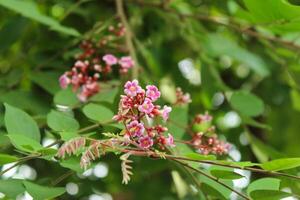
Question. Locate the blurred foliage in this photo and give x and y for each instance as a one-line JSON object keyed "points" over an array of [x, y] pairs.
{"points": [[239, 59]]}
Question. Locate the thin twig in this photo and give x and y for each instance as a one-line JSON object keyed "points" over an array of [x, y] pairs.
{"points": [[62, 177], [128, 37], [214, 179]]}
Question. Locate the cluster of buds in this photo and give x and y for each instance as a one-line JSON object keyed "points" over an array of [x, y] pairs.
{"points": [[90, 49], [92, 65], [205, 140], [142, 118], [182, 98]]}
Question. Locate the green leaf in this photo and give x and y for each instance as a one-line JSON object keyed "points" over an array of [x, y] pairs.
{"points": [[19, 122], [60, 121], [264, 184], [222, 174], [277, 10], [12, 187], [225, 192], [198, 156], [98, 113], [239, 164], [217, 45], [106, 95], [247, 103], [68, 135], [24, 143], [178, 120], [26, 100], [30, 10], [281, 164], [66, 98], [4, 159], [72, 163], [47, 80], [269, 195], [39, 192]]}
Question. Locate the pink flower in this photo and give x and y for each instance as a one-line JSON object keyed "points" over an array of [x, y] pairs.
{"points": [[110, 59], [147, 106], [135, 128], [170, 140], [126, 62], [152, 92], [132, 88], [165, 112], [145, 142], [64, 81]]}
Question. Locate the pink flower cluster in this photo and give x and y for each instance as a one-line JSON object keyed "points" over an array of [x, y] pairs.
{"points": [[181, 98], [140, 116], [93, 63], [206, 141], [84, 75]]}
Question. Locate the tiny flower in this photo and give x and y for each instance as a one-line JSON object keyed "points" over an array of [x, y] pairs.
{"points": [[170, 140], [64, 81], [135, 128], [152, 92], [126, 62], [110, 59], [145, 142], [132, 88], [165, 112], [147, 106], [80, 64]]}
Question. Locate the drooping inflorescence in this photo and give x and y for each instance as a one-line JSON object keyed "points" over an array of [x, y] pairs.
{"points": [[182, 98], [142, 118], [94, 64], [205, 139]]}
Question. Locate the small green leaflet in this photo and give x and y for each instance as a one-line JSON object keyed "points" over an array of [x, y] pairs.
{"points": [[281, 164], [98, 113]]}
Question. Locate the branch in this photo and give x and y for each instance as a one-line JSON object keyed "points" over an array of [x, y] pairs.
{"points": [[128, 37], [220, 21], [214, 179]]}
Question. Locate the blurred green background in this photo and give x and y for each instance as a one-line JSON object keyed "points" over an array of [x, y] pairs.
{"points": [[213, 49]]}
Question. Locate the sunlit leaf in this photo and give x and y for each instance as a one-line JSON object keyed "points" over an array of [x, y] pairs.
{"points": [[4, 159], [98, 113], [281, 164]]}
